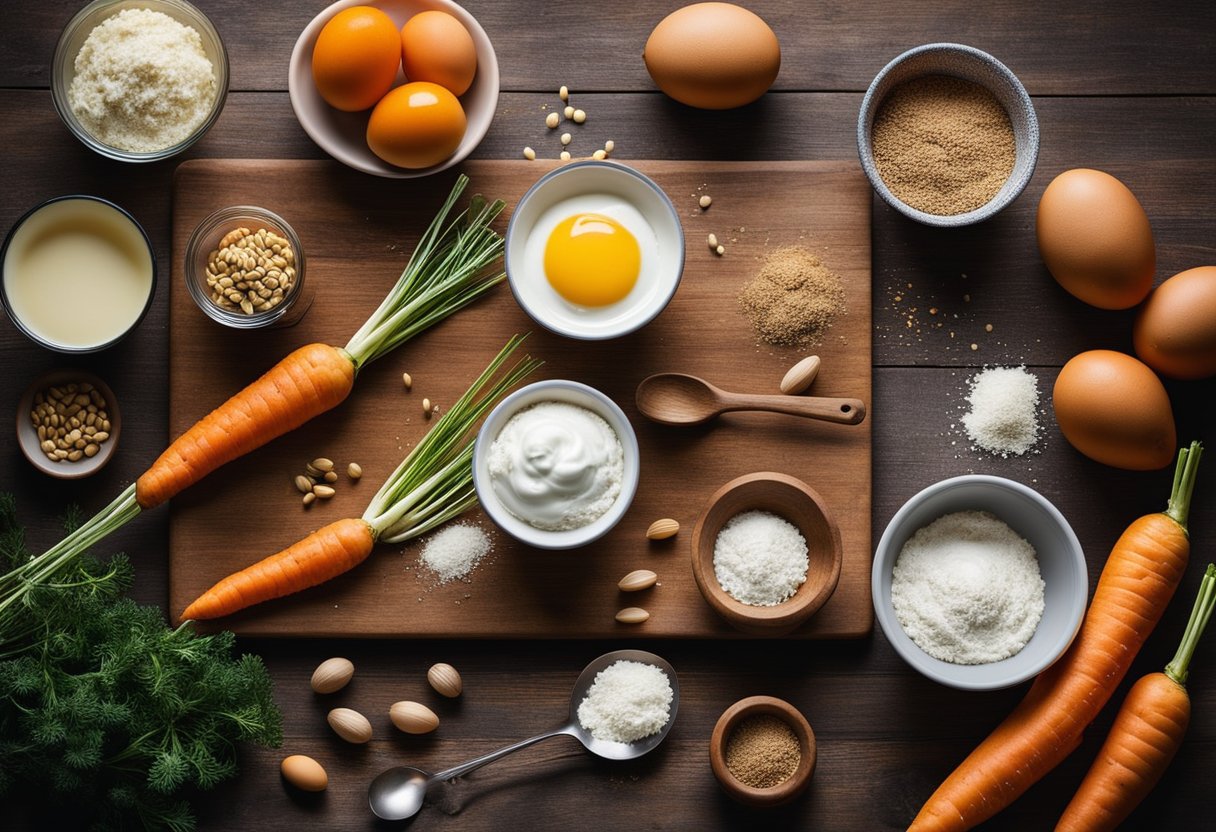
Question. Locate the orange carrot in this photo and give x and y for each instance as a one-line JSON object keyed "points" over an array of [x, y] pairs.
{"points": [[308, 382], [1145, 736], [324, 554], [1136, 585]]}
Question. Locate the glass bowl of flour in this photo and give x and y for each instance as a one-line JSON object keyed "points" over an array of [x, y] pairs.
{"points": [[979, 582]]}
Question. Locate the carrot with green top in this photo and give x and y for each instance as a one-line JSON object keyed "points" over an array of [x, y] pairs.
{"points": [[1140, 576], [433, 484], [448, 269], [1146, 734]]}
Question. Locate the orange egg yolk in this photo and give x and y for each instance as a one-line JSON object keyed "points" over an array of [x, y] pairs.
{"points": [[592, 260]]}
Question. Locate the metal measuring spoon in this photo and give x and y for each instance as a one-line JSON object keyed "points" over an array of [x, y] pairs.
{"points": [[397, 793], [679, 399]]}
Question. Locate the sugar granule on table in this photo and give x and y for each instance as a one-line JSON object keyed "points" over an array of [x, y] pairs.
{"points": [[455, 551], [1003, 418]]}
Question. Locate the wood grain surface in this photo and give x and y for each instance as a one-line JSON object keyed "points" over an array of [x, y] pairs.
{"points": [[357, 233], [1120, 85]]}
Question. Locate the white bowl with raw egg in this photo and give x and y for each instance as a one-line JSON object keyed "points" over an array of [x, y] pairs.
{"points": [[594, 250], [399, 119]]}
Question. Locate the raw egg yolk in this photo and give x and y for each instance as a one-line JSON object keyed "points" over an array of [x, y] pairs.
{"points": [[592, 260]]}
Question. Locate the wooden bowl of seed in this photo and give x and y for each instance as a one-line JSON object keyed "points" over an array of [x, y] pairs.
{"points": [[762, 751], [766, 553], [68, 424], [245, 268]]}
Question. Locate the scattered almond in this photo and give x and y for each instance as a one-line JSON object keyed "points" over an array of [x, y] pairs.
{"points": [[799, 377], [632, 615], [663, 529], [445, 680], [322, 464], [323, 492], [331, 476], [332, 675], [303, 484], [354, 470], [309, 498], [637, 580], [351, 726], [413, 717]]}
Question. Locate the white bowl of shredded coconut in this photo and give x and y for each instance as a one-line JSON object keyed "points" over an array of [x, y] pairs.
{"points": [[979, 582], [139, 80]]}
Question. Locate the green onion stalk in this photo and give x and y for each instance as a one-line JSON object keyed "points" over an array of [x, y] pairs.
{"points": [[448, 269]]}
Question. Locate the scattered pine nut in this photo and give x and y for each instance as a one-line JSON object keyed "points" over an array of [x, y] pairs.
{"points": [[309, 498], [609, 146], [599, 155], [406, 378], [322, 464], [579, 116], [975, 346], [323, 492], [354, 470], [566, 139], [568, 112], [552, 120], [331, 476], [705, 202], [426, 406], [529, 154], [712, 240], [303, 484], [987, 327], [563, 93], [720, 250], [565, 156], [632, 615]]}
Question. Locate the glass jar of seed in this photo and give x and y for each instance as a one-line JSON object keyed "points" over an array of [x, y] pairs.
{"points": [[245, 267]]}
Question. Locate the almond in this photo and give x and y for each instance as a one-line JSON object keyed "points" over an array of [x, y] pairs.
{"points": [[332, 675], [445, 680], [637, 580], [799, 377], [351, 726], [632, 615], [413, 717], [662, 529]]}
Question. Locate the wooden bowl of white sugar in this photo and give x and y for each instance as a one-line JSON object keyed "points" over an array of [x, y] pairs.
{"points": [[979, 582], [766, 553]]}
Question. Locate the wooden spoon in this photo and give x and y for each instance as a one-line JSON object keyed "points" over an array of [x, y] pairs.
{"points": [[679, 399]]}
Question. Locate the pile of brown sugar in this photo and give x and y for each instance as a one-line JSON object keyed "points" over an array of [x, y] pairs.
{"points": [[793, 298], [762, 752], [943, 145]]}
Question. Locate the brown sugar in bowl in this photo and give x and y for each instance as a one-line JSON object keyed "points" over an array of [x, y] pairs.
{"points": [[799, 504], [784, 791]]}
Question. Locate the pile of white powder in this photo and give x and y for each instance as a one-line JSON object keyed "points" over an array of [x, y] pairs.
{"points": [[967, 589], [455, 551], [628, 701], [760, 558], [1003, 418], [143, 82]]}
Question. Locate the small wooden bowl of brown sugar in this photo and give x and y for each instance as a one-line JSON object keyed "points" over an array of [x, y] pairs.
{"points": [[947, 135], [766, 553], [762, 751], [68, 424]]}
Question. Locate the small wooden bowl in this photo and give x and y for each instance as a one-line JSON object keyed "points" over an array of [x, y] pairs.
{"points": [[783, 792], [27, 437], [799, 504]]}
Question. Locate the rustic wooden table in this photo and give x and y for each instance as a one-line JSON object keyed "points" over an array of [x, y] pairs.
{"points": [[1124, 86]]}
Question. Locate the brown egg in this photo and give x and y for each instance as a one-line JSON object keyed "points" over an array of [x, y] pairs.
{"points": [[1175, 332], [1095, 239], [304, 773], [713, 55], [1113, 409]]}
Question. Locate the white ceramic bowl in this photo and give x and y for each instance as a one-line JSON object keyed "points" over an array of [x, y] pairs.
{"points": [[525, 274], [555, 390], [63, 69], [972, 65], [344, 135], [1061, 563]]}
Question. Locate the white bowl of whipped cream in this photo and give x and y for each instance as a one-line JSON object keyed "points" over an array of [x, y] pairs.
{"points": [[556, 464]]}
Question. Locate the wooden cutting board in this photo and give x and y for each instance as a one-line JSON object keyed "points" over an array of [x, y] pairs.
{"points": [[357, 232]]}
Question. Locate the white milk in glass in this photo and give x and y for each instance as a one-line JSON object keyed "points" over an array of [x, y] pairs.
{"points": [[77, 273]]}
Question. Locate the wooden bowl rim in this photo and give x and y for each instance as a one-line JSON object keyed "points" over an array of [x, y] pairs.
{"points": [[755, 706], [84, 467], [806, 601]]}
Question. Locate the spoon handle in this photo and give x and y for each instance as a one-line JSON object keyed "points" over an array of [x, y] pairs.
{"points": [[841, 411], [478, 762]]}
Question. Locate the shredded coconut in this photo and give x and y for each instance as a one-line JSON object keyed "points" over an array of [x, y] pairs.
{"points": [[143, 82], [1003, 418], [455, 551], [967, 589], [760, 558], [628, 701]]}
